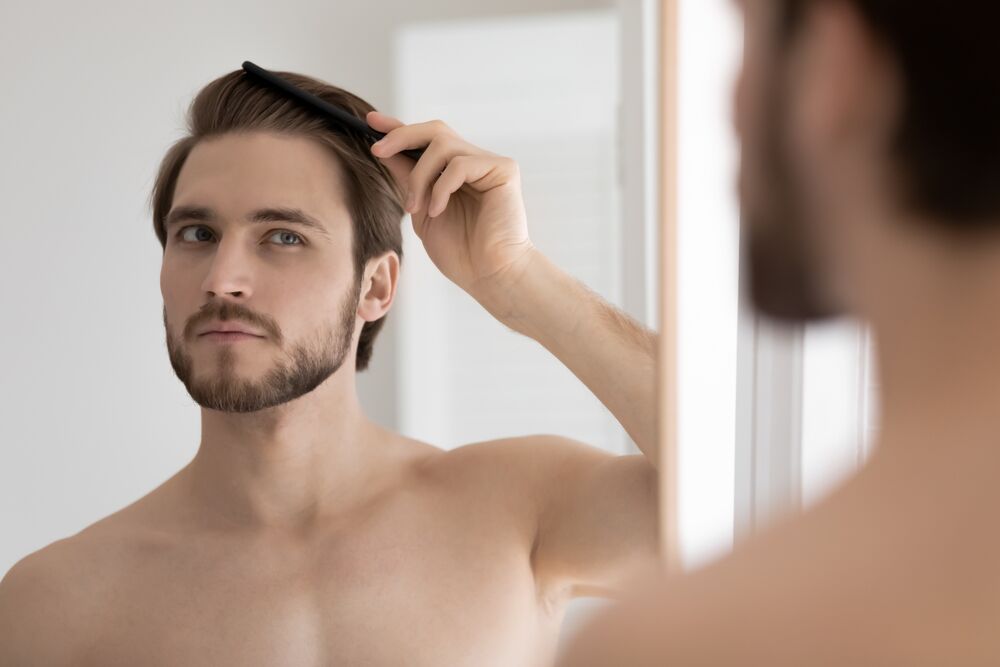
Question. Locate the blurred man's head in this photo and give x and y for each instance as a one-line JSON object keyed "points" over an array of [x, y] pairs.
{"points": [[271, 222], [855, 116]]}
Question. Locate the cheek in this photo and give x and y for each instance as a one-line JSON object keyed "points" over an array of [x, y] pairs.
{"points": [[178, 295], [164, 284], [169, 288], [749, 112], [806, 124], [748, 85], [739, 103], [166, 287], [750, 99]]}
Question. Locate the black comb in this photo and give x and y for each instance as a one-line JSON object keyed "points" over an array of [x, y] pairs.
{"points": [[344, 120]]}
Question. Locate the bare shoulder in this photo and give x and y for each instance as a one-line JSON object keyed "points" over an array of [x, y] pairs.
{"points": [[46, 599], [525, 471], [528, 458], [51, 599]]}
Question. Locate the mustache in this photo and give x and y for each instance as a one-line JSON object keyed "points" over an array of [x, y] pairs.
{"points": [[230, 312]]}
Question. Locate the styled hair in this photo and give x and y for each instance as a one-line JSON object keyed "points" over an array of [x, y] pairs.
{"points": [[946, 145], [236, 102]]}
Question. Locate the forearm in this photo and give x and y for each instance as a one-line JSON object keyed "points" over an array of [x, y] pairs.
{"points": [[611, 353]]}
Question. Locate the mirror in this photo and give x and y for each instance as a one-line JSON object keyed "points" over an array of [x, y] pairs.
{"points": [[97, 423]]}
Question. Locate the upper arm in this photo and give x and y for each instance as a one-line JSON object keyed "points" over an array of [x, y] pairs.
{"points": [[597, 516]]}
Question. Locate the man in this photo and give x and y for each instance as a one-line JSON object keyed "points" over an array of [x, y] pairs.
{"points": [[302, 533], [870, 185]]}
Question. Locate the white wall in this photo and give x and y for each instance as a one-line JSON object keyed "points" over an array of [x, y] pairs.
{"points": [[93, 93]]}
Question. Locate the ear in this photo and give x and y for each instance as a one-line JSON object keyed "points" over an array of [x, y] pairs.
{"points": [[378, 286], [842, 83]]}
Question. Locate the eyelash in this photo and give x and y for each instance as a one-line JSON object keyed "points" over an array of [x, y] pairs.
{"points": [[302, 241]]}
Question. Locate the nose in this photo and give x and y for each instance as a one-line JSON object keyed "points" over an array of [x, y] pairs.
{"points": [[229, 272]]}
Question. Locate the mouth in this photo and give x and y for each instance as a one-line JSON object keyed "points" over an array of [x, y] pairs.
{"points": [[228, 336]]}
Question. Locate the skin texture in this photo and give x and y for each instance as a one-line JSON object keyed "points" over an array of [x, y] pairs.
{"points": [[303, 533], [901, 565]]}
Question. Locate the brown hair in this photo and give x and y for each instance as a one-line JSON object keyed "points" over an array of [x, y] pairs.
{"points": [[235, 102]]}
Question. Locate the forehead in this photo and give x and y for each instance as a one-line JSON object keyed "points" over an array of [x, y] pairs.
{"points": [[237, 171]]}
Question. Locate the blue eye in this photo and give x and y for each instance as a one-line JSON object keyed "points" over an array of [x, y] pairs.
{"points": [[181, 236], [292, 235]]}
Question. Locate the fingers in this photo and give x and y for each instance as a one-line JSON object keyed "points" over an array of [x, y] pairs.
{"points": [[401, 137], [382, 122], [428, 168], [398, 165], [448, 162], [398, 137], [461, 169]]}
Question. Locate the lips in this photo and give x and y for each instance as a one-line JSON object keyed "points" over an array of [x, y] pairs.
{"points": [[228, 328]]}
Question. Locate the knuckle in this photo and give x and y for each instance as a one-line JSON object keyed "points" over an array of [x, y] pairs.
{"points": [[441, 127], [443, 143], [436, 144]]}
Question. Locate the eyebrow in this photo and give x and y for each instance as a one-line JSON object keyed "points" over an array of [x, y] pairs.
{"points": [[271, 214]]}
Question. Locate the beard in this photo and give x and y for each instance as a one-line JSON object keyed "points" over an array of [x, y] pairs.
{"points": [[782, 258], [305, 366]]}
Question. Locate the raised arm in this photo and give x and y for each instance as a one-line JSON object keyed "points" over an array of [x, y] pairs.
{"points": [[596, 513], [468, 211], [606, 349]]}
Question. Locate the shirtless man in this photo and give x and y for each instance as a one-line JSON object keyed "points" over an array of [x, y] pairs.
{"points": [[302, 533], [870, 185]]}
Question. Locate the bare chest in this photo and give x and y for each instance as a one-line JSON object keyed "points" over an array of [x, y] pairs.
{"points": [[407, 587]]}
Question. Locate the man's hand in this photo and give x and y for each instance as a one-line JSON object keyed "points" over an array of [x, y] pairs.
{"points": [[465, 203]]}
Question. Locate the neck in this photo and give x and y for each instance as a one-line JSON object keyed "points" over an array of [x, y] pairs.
{"points": [[938, 342], [289, 465]]}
